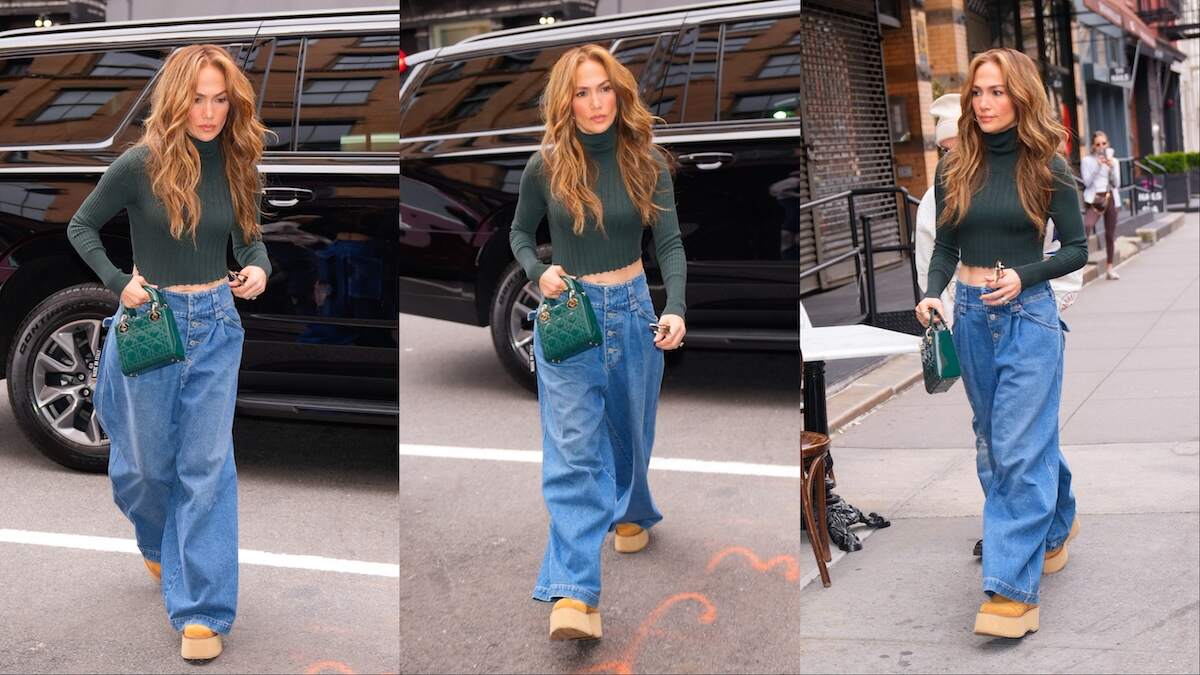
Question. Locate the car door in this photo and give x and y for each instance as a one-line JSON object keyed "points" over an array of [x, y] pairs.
{"points": [[327, 324], [731, 100]]}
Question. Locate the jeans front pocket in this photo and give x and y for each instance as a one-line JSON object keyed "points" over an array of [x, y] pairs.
{"points": [[1043, 311]]}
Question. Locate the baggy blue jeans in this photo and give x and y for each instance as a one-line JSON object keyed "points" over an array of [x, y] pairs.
{"points": [[597, 409], [171, 457], [1012, 367]]}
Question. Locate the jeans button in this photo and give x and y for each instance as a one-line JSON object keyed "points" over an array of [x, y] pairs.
{"points": [[992, 317], [996, 335]]}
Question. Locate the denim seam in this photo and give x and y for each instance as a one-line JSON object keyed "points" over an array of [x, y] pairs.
{"points": [[1011, 592], [552, 590], [203, 620]]}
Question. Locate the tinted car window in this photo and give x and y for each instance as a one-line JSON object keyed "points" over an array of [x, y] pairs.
{"points": [[666, 103], [499, 91], [75, 97], [348, 95], [274, 67], [701, 100], [760, 72]]}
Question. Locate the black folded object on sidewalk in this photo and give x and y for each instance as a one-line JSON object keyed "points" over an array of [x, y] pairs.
{"points": [[841, 515]]}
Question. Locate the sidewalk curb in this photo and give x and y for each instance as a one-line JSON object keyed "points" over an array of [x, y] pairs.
{"points": [[900, 372]]}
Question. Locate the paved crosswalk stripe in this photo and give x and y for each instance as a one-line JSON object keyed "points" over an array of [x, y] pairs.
{"points": [[657, 463], [245, 556]]}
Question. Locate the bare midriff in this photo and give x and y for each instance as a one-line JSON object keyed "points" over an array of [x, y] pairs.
{"points": [[188, 288], [192, 288], [975, 276], [617, 276]]}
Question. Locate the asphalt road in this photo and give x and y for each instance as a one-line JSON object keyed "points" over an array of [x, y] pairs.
{"points": [[304, 489], [716, 591]]}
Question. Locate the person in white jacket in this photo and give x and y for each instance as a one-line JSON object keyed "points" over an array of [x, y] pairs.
{"points": [[1101, 178], [946, 111]]}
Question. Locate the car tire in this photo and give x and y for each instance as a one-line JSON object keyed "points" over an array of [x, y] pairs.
{"points": [[60, 418], [512, 332]]}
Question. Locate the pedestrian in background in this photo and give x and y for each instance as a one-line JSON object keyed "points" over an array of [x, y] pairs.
{"points": [[1101, 178], [994, 194], [945, 111], [601, 181], [190, 185]]}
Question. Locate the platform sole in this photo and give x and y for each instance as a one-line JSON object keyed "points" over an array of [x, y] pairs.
{"points": [[631, 544], [201, 649], [571, 624], [1057, 562], [1007, 626]]}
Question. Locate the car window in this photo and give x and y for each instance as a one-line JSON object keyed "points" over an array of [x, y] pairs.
{"points": [[72, 97], [498, 91], [666, 103], [273, 69], [635, 53], [701, 96], [760, 71], [348, 95]]}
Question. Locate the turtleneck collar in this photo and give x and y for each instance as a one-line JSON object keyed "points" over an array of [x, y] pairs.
{"points": [[596, 143], [1002, 143], [207, 149]]}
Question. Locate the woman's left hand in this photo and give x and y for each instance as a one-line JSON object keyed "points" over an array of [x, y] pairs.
{"points": [[253, 286], [672, 338], [1007, 288]]}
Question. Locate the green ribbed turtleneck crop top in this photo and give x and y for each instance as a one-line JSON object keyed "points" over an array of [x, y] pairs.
{"points": [[996, 227], [620, 244], [161, 258]]}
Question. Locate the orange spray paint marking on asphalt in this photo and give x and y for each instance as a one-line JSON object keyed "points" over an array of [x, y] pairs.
{"points": [[624, 665], [793, 568], [328, 667]]}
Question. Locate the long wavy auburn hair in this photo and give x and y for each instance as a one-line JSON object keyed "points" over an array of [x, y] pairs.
{"points": [[173, 164], [1038, 133], [571, 175]]}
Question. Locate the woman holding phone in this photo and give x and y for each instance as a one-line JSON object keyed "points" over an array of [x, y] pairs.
{"points": [[994, 194], [191, 187], [602, 182], [1101, 177]]}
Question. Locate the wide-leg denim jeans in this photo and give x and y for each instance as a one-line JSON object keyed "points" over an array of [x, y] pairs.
{"points": [[597, 409], [1012, 368], [171, 458]]}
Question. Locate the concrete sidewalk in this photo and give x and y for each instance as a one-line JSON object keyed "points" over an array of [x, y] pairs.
{"points": [[1129, 601]]}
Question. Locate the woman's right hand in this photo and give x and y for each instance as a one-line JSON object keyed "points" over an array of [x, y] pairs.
{"points": [[923, 310], [134, 295], [551, 283]]}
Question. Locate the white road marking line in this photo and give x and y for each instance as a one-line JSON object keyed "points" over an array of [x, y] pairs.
{"points": [[658, 463], [245, 556]]}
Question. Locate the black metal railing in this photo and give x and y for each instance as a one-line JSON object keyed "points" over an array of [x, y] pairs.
{"points": [[864, 250]]}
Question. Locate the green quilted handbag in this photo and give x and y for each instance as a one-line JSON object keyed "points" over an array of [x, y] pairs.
{"points": [[148, 341], [568, 325], [939, 360]]}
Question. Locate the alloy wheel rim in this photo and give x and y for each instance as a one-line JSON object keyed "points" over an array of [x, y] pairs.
{"points": [[520, 327], [64, 382]]}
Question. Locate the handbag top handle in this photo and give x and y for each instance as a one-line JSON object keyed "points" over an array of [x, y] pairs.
{"points": [[573, 289], [156, 301]]}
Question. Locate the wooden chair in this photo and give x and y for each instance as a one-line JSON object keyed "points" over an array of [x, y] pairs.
{"points": [[813, 449]]}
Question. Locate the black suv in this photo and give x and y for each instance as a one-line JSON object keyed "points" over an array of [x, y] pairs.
{"points": [[726, 78], [321, 341]]}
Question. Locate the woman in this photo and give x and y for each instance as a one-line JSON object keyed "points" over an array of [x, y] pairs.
{"points": [[1101, 177], [190, 185], [994, 194], [601, 181]]}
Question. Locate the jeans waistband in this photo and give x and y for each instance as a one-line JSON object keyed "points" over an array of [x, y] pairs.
{"points": [[214, 301], [967, 295]]}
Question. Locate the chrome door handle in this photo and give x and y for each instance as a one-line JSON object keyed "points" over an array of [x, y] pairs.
{"points": [[706, 161], [286, 196]]}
